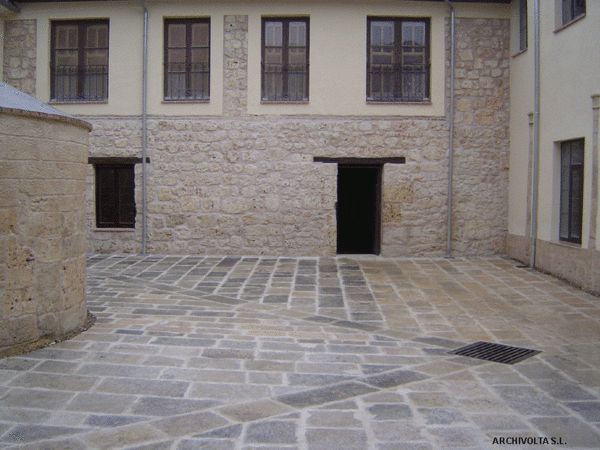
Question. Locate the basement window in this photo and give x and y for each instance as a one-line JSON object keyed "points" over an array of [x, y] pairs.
{"points": [[115, 199]]}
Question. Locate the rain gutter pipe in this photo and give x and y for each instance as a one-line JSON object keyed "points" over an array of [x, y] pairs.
{"points": [[144, 130], [536, 134], [451, 128]]}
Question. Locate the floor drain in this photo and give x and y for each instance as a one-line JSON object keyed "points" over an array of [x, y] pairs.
{"points": [[495, 352]]}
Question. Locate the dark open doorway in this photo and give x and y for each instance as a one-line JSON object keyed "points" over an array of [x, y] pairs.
{"points": [[359, 209]]}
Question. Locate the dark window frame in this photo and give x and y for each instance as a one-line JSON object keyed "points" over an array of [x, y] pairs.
{"points": [[571, 10], [116, 199], [523, 31], [397, 37], [82, 24], [188, 22], [285, 20], [576, 171]]}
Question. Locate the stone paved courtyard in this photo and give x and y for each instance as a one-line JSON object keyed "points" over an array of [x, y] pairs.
{"points": [[329, 353]]}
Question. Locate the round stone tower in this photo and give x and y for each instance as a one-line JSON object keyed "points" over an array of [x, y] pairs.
{"points": [[43, 158]]}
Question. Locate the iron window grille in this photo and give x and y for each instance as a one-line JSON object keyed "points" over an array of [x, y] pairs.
{"points": [[187, 59], [572, 9], [571, 190], [398, 66], [522, 25], [79, 60], [115, 197], [285, 59]]}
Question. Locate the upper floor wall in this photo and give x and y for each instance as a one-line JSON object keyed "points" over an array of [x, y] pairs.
{"points": [[569, 68], [337, 62]]}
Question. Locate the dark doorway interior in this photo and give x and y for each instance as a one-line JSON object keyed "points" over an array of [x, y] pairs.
{"points": [[359, 209]]}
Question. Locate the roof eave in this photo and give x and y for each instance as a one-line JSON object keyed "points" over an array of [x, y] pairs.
{"points": [[10, 5]]}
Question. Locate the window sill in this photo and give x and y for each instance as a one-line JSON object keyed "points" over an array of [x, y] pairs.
{"points": [[114, 230], [183, 101], [78, 102], [566, 244], [569, 23], [377, 102], [519, 53], [284, 102]]}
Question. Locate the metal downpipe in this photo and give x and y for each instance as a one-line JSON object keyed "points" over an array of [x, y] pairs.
{"points": [[536, 134], [451, 128], [144, 131]]}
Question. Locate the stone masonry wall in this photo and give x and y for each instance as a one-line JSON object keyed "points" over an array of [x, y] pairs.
{"points": [[20, 54], [42, 229], [235, 65], [481, 136], [250, 185], [241, 184]]}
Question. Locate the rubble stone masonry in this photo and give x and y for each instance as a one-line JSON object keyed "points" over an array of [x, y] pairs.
{"points": [[241, 184], [20, 54]]}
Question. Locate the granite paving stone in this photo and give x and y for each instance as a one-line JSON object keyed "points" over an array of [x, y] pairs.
{"points": [[143, 387], [306, 353], [588, 410], [327, 439], [574, 432], [189, 423], [251, 411], [325, 395], [333, 419], [29, 433], [389, 411], [232, 431], [271, 432], [100, 403], [111, 421]]}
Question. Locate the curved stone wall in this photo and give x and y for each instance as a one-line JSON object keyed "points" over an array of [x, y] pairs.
{"points": [[43, 162]]}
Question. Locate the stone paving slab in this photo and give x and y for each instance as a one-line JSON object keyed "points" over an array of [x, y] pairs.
{"points": [[310, 353]]}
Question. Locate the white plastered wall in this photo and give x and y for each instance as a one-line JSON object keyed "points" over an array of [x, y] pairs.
{"points": [[521, 104], [570, 64], [566, 107], [337, 52]]}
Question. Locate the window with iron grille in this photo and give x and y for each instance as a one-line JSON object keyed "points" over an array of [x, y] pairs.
{"points": [[571, 9], [187, 59], [79, 60], [571, 190], [285, 45], [522, 24], [115, 200], [397, 59]]}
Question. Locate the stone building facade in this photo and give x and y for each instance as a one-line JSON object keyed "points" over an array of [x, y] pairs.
{"points": [[238, 182]]}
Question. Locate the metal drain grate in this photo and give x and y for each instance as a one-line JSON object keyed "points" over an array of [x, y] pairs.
{"points": [[488, 351]]}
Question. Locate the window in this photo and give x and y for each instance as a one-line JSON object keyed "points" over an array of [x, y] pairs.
{"points": [[115, 201], [398, 60], [285, 59], [187, 59], [571, 190], [79, 60], [522, 25], [571, 9]]}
